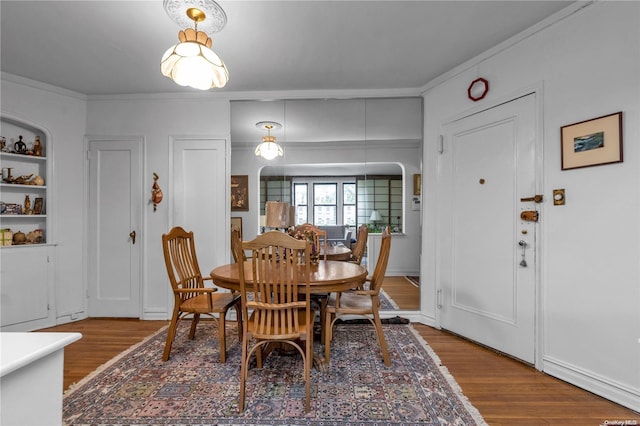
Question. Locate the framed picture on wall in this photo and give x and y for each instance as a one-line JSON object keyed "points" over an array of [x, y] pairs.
{"points": [[236, 223], [592, 142], [417, 184], [240, 193]]}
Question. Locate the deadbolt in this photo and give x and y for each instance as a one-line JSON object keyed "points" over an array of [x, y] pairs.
{"points": [[529, 215]]}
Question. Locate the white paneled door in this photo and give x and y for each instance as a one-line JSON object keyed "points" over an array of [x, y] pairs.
{"points": [[200, 197], [114, 226], [486, 251]]}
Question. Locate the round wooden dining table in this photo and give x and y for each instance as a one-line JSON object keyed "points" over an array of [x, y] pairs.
{"points": [[339, 252], [327, 276]]}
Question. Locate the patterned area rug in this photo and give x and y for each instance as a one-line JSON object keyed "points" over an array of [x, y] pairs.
{"points": [[386, 302], [137, 388], [414, 280]]}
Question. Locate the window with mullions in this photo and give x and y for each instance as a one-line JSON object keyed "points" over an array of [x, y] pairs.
{"points": [[301, 201], [325, 204], [274, 189], [340, 200], [384, 195], [349, 204]]}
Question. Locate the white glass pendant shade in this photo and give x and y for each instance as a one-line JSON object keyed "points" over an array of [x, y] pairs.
{"points": [[191, 62], [269, 150]]}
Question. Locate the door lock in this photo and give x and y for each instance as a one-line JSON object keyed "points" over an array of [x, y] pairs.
{"points": [[132, 234], [529, 215]]}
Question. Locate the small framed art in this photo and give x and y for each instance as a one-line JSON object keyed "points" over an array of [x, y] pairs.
{"points": [[236, 223], [38, 206], [417, 184], [240, 193], [592, 142]]}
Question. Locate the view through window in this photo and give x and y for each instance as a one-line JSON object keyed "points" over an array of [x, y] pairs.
{"points": [[332, 200]]}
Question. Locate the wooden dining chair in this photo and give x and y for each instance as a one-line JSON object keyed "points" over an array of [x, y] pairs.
{"points": [[236, 239], [191, 297], [362, 302], [361, 245], [280, 306]]}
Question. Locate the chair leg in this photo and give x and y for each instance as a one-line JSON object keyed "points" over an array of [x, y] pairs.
{"points": [[222, 328], [238, 308], [307, 368], [194, 322], [328, 336], [244, 367], [323, 313], [171, 334], [381, 339]]}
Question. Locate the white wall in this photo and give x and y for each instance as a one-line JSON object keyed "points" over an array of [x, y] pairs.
{"points": [[588, 65], [158, 119], [63, 115]]}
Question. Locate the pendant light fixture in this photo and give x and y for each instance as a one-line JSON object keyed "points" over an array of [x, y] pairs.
{"points": [[269, 149], [192, 62]]}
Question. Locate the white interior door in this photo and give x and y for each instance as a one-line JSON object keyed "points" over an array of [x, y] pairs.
{"points": [[486, 288], [115, 205], [200, 197]]}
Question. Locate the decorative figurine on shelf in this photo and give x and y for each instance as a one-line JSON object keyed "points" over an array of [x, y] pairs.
{"points": [[37, 147], [19, 238], [156, 192], [37, 181], [3, 144], [20, 147], [26, 209]]}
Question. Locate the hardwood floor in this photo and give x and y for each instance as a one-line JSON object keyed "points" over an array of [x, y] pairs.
{"points": [[505, 391], [508, 392], [102, 339], [403, 292]]}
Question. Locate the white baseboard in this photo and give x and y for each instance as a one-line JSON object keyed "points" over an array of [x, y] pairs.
{"points": [[607, 388]]}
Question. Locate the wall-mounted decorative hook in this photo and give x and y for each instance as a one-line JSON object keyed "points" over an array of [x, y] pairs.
{"points": [[156, 192]]}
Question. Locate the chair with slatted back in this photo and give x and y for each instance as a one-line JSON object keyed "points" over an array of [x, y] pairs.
{"points": [[362, 302], [236, 238], [277, 296], [361, 245], [191, 297]]}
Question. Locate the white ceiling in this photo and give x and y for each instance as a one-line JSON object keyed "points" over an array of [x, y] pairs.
{"points": [[114, 47]]}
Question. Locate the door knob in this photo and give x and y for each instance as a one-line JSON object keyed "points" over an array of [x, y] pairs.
{"points": [[132, 234]]}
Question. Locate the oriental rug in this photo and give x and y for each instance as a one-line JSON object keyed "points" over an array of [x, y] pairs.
{"points": [[193, 388], [386, 302]]}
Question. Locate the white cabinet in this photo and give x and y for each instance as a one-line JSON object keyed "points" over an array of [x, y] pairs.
{"points": [[26, 293], [31, 377], [27, 273]]}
